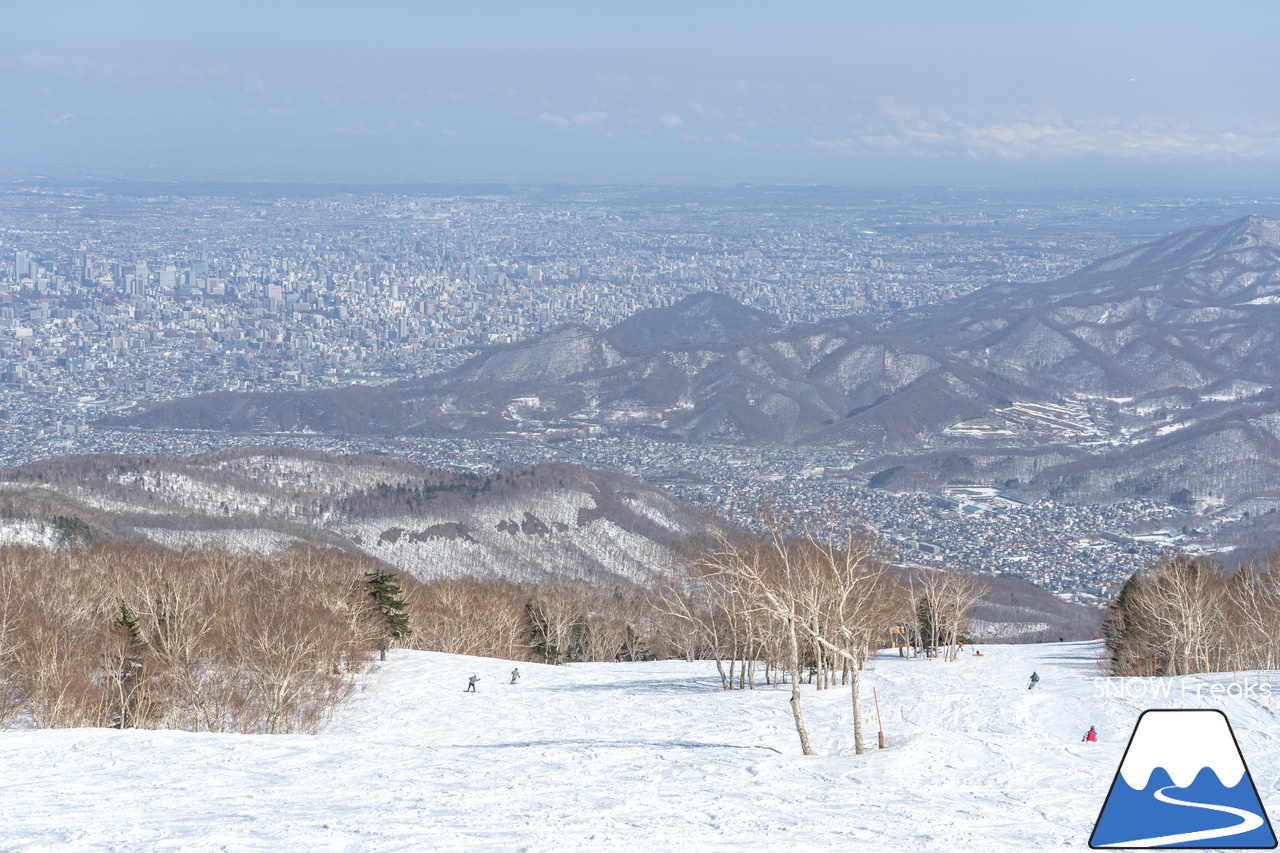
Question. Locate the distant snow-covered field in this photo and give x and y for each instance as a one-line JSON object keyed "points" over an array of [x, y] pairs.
{"points": [[632, 756]]}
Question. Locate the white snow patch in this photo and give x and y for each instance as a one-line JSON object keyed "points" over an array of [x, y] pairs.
{"points": [[637, 757], [258, 541], [26, 532]]}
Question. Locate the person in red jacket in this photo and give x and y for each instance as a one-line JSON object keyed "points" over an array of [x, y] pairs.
{"points": [[1091, 736]]}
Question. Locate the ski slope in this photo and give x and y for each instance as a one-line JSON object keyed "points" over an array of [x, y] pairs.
{"points": [[631, 756]]}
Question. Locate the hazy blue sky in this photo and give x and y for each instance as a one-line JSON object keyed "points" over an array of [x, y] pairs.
{"points": [[716, 92]]}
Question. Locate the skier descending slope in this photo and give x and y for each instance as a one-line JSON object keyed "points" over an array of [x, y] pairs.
{"points": [[1035, 679]]}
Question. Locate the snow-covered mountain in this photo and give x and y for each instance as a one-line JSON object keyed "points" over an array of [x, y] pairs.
{"points": [[638, 757], [550, 520], [704, 318], [1185, 320], [1194, 313], [1162, 363]]}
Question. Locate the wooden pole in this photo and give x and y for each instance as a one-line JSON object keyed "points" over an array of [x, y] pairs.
{"points": [[879, 722]]}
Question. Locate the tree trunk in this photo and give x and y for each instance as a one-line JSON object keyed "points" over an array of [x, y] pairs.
{"points": [[855, 686], [795, 688]]}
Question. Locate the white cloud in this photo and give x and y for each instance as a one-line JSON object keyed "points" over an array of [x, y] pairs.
{"points": [[709, 112], [591, 118], [351, 128], [1038, 140]]}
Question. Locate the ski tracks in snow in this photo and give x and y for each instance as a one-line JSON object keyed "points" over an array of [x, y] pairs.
{"points": [[598, 757]]}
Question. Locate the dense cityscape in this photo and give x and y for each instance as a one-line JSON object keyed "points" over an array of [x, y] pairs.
{"points": [[110, 299]]}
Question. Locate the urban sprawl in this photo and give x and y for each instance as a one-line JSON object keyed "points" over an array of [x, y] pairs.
{"points": [[111, 299]]}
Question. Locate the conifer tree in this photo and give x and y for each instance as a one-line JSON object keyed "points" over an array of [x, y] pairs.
{"points": [[129, 672], [393, 622]]}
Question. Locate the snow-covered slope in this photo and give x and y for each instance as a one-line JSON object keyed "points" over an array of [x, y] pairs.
{"points": [[643, 756], [526, 523]]}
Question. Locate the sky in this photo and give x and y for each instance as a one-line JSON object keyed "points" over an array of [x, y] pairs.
{"points": [[1149, 92]]}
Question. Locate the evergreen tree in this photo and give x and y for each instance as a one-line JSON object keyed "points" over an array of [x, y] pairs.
{"points": [[129, 673], [129, 623], [1120, 626], [392, 610]]}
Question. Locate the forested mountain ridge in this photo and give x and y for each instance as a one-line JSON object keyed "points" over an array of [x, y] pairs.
{"points": [[1120, 380], [551, 520]]}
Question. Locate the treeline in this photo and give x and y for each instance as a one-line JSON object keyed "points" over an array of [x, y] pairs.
{"points": [[203, 639], [1182, 614], [798, 596], [733, 603], [552, 622], [131, 635]]}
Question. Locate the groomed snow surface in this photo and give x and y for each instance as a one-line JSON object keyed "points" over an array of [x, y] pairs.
{"points": [[629, 756]]}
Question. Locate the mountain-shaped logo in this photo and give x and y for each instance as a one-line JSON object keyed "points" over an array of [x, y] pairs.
{"points": [[1183, 783]]}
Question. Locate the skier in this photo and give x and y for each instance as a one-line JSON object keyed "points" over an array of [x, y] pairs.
{"points": [[1034, 680], [1091, 736], [515, 675], [471, 683]]}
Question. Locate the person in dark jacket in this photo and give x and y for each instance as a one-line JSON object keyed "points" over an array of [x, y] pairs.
{"points": [[1035, 679], [1091, 736]]}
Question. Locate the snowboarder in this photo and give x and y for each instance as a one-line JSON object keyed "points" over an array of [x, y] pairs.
{"points": [[1035, 679], [471, 683], [1091, 736], [515, 675]]}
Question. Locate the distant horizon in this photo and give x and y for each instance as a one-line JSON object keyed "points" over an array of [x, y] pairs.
{"points": [[992, 93], [1266, 192]]}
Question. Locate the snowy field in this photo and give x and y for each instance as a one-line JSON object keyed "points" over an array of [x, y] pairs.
{"points": [[633, 756]]}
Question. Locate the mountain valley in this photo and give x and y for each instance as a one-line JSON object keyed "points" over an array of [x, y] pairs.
{"points": [[1146, 375]]}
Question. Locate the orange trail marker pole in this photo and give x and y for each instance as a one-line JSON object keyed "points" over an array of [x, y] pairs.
{"points": [[879, 722]]}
